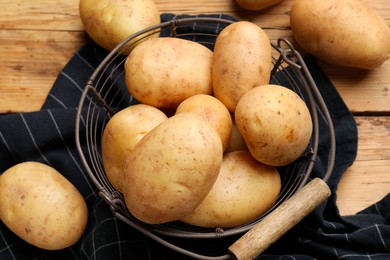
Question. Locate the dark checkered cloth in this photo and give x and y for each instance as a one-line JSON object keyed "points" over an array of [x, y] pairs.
{"points": [[48, 136]]}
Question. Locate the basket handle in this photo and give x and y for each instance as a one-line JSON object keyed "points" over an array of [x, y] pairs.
{"points": [[280, 220]]}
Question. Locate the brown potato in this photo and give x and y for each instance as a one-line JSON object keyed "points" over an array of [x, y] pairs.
{"points": [[109, 22], [345, 33], [171, 170], [41, 206], [244, 190], [237, 142], [122, 132], [162, 72], [241, 61], [275, 124], [213, 111]]}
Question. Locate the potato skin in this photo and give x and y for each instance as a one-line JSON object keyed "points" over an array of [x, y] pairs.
{"points": [[345, 33], [109, 22], [256, 5], [275, 124], [213, 111], [41, 206], [241, 61], [172, 169], [122, 132], [161, 72], [237, 142], [243, 191]]}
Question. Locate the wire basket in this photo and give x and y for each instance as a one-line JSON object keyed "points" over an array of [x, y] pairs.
{"points": [[106, 93]]}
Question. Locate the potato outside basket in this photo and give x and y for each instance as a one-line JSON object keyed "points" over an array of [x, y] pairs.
{"points": [[106, 93]]}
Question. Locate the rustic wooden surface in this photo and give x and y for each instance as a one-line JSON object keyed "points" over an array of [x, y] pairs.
{"points": [[37, 38]]}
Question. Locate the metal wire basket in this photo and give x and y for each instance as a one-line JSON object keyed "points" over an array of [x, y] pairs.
{"points": [[106, 93]]}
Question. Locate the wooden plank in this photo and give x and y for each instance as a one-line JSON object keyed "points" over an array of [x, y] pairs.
{"points": [[368, 179], [362, 90], [40, 15], [32, 61], [30, 31], [37, 38]]}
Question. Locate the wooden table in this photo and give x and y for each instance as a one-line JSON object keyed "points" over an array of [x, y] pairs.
{"points": [[37, 38]]}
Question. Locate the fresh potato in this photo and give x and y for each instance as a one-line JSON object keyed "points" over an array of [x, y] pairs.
{"points": [[345, 33], [243, 191], [163, 72], [213, 111], [122, 132], [171, 170], [242, 60], [41, 206], [109, 22], [275, 123], [256, 5], [237, 142]]}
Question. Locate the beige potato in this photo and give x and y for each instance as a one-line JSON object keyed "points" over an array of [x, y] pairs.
{"points": [[163, 72], [109, 22], [237, 142], [242, 60], [122, 132], [171, 170], [275, 124], [256, 5], [244, 190], [345, 33], [41, 206], [213, 111]]}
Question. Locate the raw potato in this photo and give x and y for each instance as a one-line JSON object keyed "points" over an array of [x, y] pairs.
{"points": [[244, 190], [122, 132], [275, 123], [256, 5], [163, 72], [109, 22], [213, 111], [242, 60], [237, 142], [171, 170], [345, 33], [41, 206]]}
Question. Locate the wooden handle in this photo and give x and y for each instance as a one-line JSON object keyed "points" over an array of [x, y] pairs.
{"points": [[280, 220]]}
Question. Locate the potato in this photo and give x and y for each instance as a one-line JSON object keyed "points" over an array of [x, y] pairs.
{"points": [[237, 142], [171, 170], [345, 33], [163, 72], [213, 111], [242, 60], [41, 206], [256, 5], [122, 132], [275, 124], [243, 191], [109, 22]]}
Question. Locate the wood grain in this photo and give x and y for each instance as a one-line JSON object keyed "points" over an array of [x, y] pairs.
{"points": [[363, 91], [33, 61], [37, 38], [30, 30], [368, 180], [41, 15]]}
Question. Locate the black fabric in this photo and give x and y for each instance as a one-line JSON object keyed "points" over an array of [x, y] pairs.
{"points": [[47, 136]]}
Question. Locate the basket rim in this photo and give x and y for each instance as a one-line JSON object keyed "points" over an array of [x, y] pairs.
{"points": [[172, 24]]}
